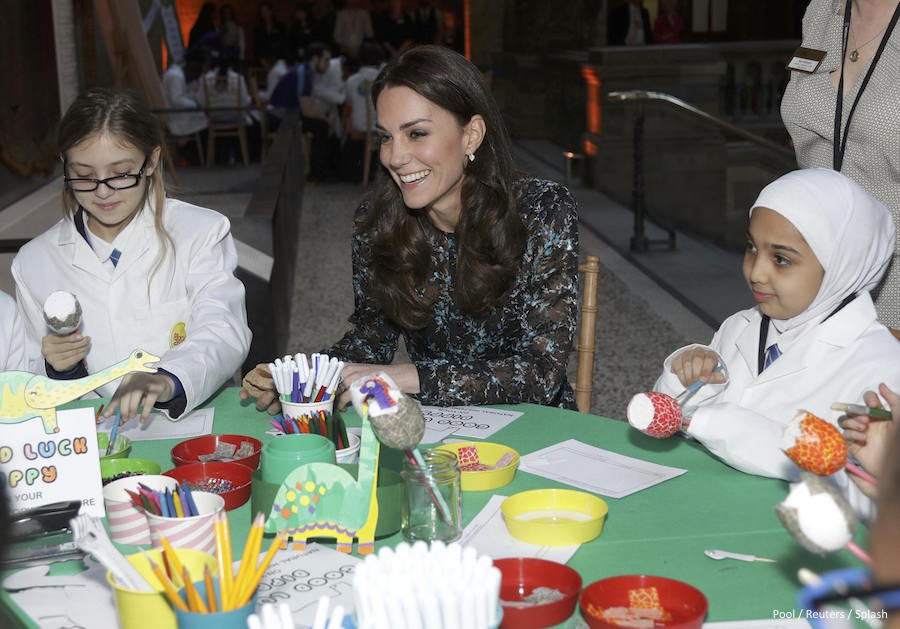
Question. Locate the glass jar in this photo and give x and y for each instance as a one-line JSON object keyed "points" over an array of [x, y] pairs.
{"points": [[432, 504]]}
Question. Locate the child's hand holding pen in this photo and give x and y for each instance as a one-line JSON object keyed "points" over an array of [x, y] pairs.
{"points": [[697, 363], [868, 438]]}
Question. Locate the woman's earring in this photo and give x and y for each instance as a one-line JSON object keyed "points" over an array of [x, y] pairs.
{"points": [[471, 157]]}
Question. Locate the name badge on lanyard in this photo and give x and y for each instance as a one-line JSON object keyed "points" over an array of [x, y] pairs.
{"points": [[806, 60]]}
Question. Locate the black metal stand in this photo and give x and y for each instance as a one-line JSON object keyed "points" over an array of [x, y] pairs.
{"points": [[639, 240]]}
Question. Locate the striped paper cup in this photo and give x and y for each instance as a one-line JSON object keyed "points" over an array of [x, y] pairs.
{"points": [[128, 525], [197, 532]]}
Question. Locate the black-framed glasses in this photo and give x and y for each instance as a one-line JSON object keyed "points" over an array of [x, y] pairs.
{"points": [[847, 598], [119, 182]]}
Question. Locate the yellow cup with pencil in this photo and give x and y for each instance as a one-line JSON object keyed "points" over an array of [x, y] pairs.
{"points": [[226, 600]]}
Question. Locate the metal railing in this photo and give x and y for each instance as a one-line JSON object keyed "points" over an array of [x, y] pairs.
{"points": [[639, 240]]}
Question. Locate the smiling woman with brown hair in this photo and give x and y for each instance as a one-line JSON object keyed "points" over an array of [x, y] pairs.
{"points": [[475, 268]]}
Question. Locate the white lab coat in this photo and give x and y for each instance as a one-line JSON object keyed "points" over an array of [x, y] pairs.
{"points": [[178, 96], [741, 421], [194, 285], [13, 356]]}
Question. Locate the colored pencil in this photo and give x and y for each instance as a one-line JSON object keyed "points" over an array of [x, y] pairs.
{"points": [[167, 586], [170, 554], [251, 552], [113, 433], [229, 571], [190, 499], [860, 409], [224, 586], [97, 416], [210, 589], [178, 510], [193, 596], [247, 594]]}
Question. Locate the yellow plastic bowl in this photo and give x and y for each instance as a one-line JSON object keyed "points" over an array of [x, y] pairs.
{"points": [[138, 610], [489, 454], [554, 517]]}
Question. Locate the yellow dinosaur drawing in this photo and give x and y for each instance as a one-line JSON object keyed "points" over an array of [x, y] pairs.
{"points": [[25, 395]]}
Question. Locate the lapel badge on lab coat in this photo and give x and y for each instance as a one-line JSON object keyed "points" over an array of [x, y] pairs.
{"points": [[177, 335]]}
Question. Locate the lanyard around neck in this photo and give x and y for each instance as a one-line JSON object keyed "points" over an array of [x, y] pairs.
{"points": [[764, 332], [840, 139]]}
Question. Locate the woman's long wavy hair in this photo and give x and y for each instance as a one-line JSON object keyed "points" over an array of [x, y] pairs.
{"points": [[124, 116], [490, 234]]}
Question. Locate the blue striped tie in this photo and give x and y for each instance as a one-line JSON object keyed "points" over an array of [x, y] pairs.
{"points": [[115, 254], [772, 354]]}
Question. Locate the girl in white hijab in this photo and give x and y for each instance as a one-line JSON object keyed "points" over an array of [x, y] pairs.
{"points": [[816, 245]]}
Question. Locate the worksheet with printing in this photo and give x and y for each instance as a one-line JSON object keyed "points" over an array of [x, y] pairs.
{"points": [[158, 426], [596, 470], [468, 421], [487, 533]]}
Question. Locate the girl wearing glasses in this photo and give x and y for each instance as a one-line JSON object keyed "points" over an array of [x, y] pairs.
{"points": [[150, 272]]}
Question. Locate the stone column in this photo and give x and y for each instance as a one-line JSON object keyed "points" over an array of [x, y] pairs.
{"points": [[66, 58]]}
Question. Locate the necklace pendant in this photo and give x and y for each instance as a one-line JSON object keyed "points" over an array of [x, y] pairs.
{"points": [[853, 56]]}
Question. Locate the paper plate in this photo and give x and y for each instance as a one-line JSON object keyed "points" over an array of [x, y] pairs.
{"points": [[488, 454], [554, 517], [682, 605]]}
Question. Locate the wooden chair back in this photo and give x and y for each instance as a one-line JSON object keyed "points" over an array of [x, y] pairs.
{"points": [[236, 128], [584, 380]]}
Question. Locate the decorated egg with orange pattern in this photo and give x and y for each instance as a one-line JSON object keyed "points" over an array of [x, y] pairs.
{"points": [[814, 444]]}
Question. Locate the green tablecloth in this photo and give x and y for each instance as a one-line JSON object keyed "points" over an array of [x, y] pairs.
{"points": [[662, 530]]}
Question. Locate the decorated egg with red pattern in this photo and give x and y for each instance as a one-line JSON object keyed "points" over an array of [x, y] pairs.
{"points": [[814, 444], [655, 414]]}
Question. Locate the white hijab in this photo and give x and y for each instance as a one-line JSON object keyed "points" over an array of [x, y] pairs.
{"points": [[850, 232]]}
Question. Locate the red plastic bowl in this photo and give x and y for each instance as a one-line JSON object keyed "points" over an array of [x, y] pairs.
{"points": [[239, 476], [521, 576], [686, 604], [187, 451]]}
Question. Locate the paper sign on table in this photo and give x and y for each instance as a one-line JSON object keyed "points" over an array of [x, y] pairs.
{"points": [[158, 426], [468, 421], [39, 468], [300, 578], [595, 470], [487, 533]]}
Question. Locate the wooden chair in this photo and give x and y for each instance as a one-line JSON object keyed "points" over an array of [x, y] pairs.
{"points": [[237, 128], [266, 137], [587, 333]]}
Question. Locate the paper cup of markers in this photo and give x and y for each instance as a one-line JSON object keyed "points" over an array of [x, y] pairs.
{"points": [[299, 381], [128, 524], [304, 414], [197, 531], [229, 480]]}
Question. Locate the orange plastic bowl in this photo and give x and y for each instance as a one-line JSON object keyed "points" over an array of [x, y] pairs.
{"points": [[521, 576], [188, 451], [201, 473], [685, 605]]}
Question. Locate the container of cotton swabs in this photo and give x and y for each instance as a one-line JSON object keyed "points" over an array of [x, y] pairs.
{"points": [[444, 587]]}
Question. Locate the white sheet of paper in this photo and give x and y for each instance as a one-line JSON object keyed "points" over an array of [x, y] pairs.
{"points": [[763, 623], [595, 470], [488, 535], [40, 468], [158, 426], [299, 579], [90, 605], [435, 433], [468, 421]]}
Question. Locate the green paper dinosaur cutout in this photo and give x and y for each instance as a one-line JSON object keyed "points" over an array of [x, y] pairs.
{"points": [[24, 395]]}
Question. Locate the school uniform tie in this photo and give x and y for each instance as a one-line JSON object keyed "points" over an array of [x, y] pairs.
{"points": [[115, 254], [772, 354]]}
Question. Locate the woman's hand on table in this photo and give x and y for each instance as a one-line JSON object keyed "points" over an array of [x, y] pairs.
{"points": [[695, 364], [64, 352], [868, 439], [405, 375], [140, 391], [258, 385]]}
